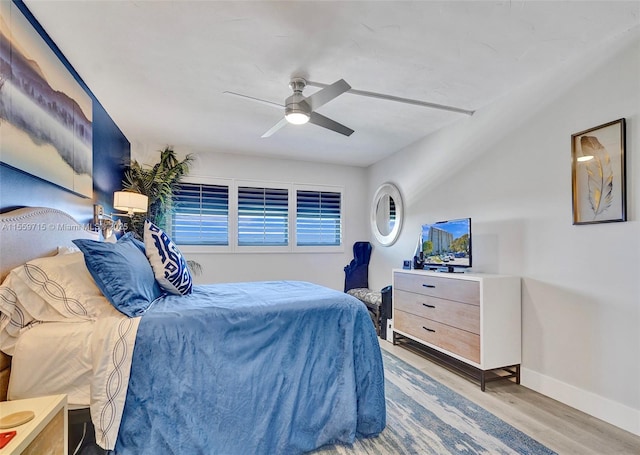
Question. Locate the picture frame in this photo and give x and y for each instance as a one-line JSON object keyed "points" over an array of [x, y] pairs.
{"points": [[598, 174], [46, 115]]}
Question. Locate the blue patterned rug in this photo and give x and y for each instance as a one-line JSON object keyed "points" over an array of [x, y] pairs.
{"points": [[425, 417]]}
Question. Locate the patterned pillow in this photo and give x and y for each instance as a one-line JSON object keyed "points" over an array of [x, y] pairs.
{"points": [[64, 282], [49, 289], [168, 264]]}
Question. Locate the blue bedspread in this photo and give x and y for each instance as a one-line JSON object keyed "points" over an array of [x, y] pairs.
{"points": [[253, 368]]}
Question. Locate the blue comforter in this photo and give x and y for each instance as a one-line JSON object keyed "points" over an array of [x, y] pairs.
{"points": [[253, 368]]}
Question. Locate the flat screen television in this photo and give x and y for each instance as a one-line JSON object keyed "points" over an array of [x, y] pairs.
{"points": [[446, 245]]}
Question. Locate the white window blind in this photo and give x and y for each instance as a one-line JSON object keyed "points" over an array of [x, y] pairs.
{"points": [[263, 216], [201, 215], [318, 220]]}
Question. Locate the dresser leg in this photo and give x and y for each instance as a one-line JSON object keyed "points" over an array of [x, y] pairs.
{"points": [[482, 380]]}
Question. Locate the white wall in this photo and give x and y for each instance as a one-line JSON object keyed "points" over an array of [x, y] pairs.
{"points": [[322, 268], [509, 168]]}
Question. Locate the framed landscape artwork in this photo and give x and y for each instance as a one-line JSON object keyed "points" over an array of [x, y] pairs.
{"points": [[45, 114], [598, 174]]}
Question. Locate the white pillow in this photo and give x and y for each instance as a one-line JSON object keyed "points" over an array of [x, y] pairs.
{"points": [[13, 316], [68, 249], [23, 305], [64, 283], [50, 289], [168, 264]]}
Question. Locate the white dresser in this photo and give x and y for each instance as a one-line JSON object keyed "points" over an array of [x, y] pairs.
{"points": [[472, 318]]}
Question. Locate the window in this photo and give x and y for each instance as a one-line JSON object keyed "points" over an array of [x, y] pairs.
{"points": [[201, 215], [225, 215], [318, 220], [263, 216]]}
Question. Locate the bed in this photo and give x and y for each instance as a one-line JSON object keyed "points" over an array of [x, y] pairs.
{"points": [[264, 367]]}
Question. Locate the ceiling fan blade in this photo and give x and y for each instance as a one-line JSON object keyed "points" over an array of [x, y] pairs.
{"points": [[398, 99], [327, 94], [276, 127], [325, 122], [268, 103]]}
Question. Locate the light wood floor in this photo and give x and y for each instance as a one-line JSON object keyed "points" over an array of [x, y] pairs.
{"points": [[557, 426]]}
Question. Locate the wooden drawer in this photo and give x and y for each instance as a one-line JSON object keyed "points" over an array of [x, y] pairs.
{"points": [[454, 340], [460, 315], [447, 288]]}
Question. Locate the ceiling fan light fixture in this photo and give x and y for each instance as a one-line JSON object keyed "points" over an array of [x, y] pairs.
{"points": [[296, 117]]}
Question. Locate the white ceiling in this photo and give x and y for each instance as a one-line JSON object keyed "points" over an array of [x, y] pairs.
{"points": [[160, 67]]}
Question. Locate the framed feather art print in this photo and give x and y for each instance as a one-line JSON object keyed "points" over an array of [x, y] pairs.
{"points": [[598, 174]]}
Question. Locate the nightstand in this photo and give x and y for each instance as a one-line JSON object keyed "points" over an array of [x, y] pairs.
{"points": [[45, 434]]}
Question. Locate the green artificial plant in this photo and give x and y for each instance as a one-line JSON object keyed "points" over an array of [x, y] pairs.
{"points": [[158, 183]]}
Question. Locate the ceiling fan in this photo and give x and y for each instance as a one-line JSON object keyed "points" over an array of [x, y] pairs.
{"points": [[299, 109]]}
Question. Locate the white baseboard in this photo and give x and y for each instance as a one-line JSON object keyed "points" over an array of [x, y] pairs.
{"points": [[602, 408]]}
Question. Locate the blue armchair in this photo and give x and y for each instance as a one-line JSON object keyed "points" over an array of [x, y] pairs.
{"points": [[356, 282], [356, 274]]}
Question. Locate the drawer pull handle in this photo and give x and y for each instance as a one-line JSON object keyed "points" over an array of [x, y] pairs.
{"points": [[428, 330], [428, 306], [429, 285]]}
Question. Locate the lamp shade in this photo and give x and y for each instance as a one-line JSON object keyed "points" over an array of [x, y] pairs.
{"points": [[130, 202]]}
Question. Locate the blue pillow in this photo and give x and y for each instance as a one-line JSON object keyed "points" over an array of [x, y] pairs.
{"points": [[122, 272], [167, 262]]}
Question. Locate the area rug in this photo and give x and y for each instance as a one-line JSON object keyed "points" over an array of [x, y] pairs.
{"points": [[425, 417]]}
